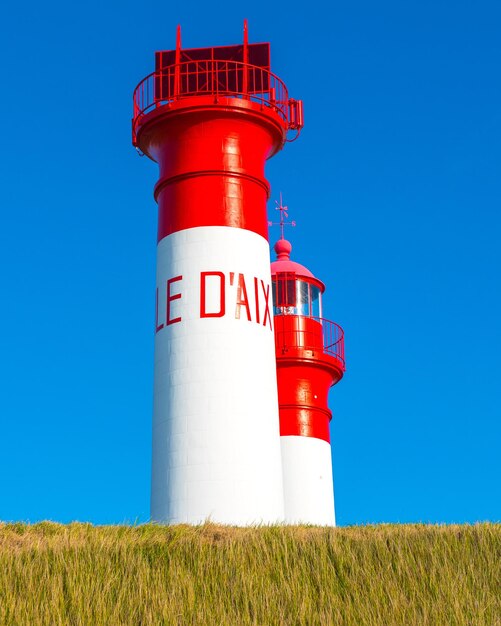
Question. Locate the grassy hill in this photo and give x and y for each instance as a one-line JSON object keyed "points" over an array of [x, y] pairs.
{"points": [[80, 574]]}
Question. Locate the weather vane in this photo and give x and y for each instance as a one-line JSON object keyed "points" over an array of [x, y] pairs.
{"points": [[283, 215]]}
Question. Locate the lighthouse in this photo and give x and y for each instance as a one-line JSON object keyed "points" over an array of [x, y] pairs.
{"points": [[210, 118], [310, 360]]}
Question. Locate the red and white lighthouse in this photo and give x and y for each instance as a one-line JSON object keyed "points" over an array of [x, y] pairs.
{"points": [[210, 117], [310, 359]]}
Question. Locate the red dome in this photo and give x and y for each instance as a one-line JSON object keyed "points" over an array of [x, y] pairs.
{"points": [[283, 263]]}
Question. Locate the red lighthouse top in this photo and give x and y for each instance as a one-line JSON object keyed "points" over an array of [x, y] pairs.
{"points": [[297, 307], [239, 76], [211, 117], [283, 263], [296, 290]]}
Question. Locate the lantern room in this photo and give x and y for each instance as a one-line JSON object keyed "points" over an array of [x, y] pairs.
{"points": [[298, 312], [295, 290]]}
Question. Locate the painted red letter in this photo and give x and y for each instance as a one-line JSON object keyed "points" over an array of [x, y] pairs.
{"points": [[170, 298], [157, 325], [256, 296], [266, 293], [242, 299], [222, 298]]}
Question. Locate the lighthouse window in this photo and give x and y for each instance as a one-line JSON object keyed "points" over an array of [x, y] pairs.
{"points": [[293, 296], [315, 310], [284, 295], [308, 299], [303, 298]]}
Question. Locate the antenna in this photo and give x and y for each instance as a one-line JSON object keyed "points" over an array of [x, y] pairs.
{"points": [[283, 215], [245, 85]]}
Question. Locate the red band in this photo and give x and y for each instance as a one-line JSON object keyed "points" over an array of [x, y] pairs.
{"points": [[304, 422], [218, 200], [211, 159]]}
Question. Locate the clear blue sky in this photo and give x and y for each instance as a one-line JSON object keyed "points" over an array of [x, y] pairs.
{"points": [[395, 186]]}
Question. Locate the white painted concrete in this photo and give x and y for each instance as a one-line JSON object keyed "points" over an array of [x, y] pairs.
{"points": [[308, 485], [216, 443]]}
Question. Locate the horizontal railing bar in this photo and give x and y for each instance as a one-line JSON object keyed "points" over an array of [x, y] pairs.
{"points": [[211, 77]]}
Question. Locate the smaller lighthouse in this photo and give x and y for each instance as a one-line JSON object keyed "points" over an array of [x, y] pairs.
{"points": [[310, 360]]}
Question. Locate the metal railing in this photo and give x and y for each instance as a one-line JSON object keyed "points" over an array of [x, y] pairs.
{"points": [[306, 337], [215, 78]]}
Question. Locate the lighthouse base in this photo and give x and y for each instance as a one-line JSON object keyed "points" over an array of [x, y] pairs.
{"points": [[308, 484]]}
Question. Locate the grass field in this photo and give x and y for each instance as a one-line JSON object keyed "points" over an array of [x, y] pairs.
{"points": [[80, 574]]}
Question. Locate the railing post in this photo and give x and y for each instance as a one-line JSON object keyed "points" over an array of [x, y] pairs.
{"points": [[177, 69], [214, 81], [245, 86], [157, 97]]}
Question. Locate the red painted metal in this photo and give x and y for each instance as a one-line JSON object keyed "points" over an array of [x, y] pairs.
{"points": [[245, 83], [284, 267], [295, 333], [257, 54], [220, 79], [296, 114], [211, 124], [310, 359]]}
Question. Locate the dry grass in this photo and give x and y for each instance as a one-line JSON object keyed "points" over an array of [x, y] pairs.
{"points": [[408, 575]]}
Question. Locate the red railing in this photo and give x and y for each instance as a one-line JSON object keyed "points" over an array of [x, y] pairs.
{"points": [[306, 336], [215, 78]]}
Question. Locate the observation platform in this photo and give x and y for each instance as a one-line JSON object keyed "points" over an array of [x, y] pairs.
{"points": [[300, 336], [236, 76]]}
